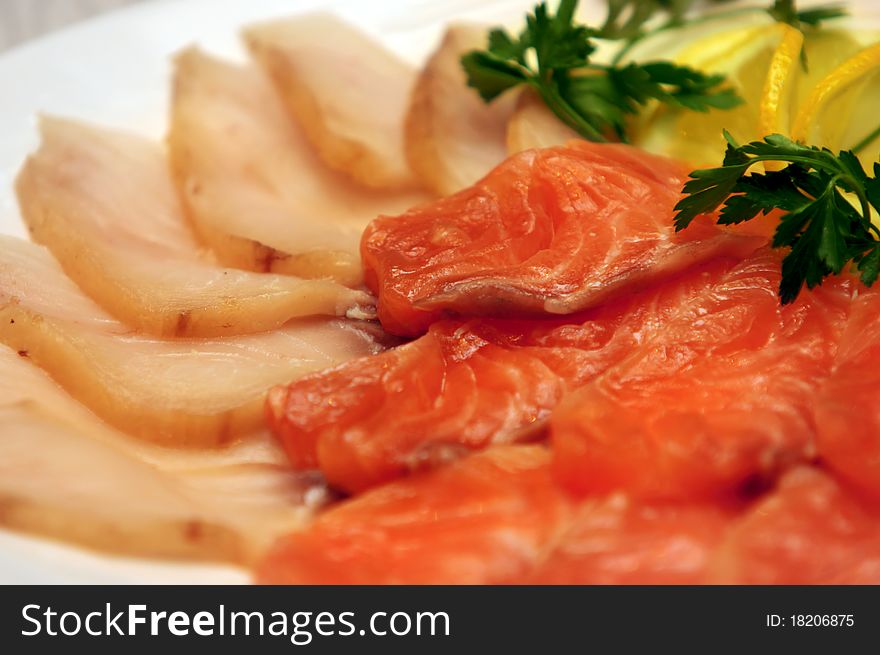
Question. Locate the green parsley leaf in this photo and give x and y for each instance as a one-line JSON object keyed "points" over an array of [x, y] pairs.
{"points": [[490, 75], [552, 56], [760, 194], [869, 265], [822, 229]]}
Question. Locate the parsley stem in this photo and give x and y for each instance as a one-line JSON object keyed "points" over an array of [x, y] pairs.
{"points": [[864, 143], [549, 92], [866, 206]]}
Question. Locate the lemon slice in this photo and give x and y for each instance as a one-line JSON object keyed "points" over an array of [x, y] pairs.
{"points": [[841, 110], [711, 52], [745, 56], [789, 83], [774, 108], [825, 50], [763, 64]]}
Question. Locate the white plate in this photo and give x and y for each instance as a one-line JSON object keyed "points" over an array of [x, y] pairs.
{"points": [[115, 70]]}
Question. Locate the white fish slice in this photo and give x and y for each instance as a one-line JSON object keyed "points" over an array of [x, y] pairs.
{"points": [[104, 204], [347, 92], [253, 186], [453, 138], [66, 475], [186, 392]]}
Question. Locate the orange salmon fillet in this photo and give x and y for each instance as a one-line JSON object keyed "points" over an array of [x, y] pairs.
{"points": [[499, 517], [718, 400], [848, 410], [460, 387], [482, 520], [550, 231], [811, 530], [616, 540]]}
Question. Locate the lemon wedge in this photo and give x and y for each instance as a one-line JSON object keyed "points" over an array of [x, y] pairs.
{"points": [[841, 110]]}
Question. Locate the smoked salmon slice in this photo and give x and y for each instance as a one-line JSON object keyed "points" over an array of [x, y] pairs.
{"points": [[616, 540], [460, 387], [550, 231], [182, 392], [499, 517], [103, 202], [482, 520], [811, 530], [65, 474], [848, 410], [255, 191], [719, 398]]}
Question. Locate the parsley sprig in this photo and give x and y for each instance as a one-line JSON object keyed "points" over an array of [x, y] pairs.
{"points": [[824, 230], [552, 56]]}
